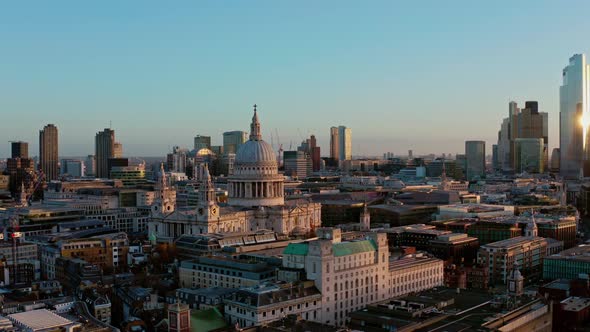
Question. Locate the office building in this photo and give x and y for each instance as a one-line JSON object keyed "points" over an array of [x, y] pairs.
{"points": [[177, 160], [104, 150], [309, 146], [525, 123], [574, 116], [48, 152], [118, 150], [202, 142], [341, 143], [19, 149], [90, 165], [500, 257], [530, 155], [568, 264], [334, 143], [297, 164], [224, 271], [73, 168], [475, 159], [232, 140]]}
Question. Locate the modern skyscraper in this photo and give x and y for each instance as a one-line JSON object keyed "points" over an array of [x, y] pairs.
{"points": [[574, 116], [521, 123], [19, 149], [340, 143], [232, 140], [530, 155], [334, 143], [48, 152], [345, 145], [202, 142], [475, 156], [104, 150], [90, 165]]}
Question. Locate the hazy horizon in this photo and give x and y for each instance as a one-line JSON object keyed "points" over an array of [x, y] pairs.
{"points": [[423, 76]]}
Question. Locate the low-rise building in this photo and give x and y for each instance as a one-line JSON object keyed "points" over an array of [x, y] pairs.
{"points": [[225, 271], [263, 304]]}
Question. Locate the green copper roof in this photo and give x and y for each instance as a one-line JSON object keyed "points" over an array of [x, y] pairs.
{"points": [[207, 320], [296, 249], [350, 248]]}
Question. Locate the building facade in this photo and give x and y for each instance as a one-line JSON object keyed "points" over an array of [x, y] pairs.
{"points": [[574, 116], [104, 150], [49, 152], [475, 155]]}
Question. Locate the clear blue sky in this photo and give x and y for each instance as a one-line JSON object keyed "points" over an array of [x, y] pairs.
{"points": [[421, 75]]}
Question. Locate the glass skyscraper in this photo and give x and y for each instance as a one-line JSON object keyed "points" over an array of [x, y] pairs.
{"points": [[574, 117]]}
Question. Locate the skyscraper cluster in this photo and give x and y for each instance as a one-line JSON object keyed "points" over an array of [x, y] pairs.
{"points": [[519, 134]]}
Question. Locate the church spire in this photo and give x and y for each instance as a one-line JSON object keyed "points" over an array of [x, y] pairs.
{"points": [[255, 134], [163, 182]]}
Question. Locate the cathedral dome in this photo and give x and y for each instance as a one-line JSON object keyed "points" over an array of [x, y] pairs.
{"points": [[255, 179], [255, 152]]}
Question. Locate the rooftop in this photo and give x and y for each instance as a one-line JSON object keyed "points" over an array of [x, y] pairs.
{"points": [[39, 319], [581, 252], [513, 242], [575, 303]]}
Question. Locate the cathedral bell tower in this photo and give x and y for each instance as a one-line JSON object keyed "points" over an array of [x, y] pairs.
{"points": [[166, 196], [207, 207]]}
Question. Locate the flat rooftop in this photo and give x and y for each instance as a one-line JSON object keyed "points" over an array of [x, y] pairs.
{"points": [[39, 319], [581, 252]]}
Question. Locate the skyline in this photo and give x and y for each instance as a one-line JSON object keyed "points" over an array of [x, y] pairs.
{"points": [[157, 72]]}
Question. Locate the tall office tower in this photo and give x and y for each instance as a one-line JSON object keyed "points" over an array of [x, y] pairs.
{"points": [[48, 152], [527, 122], [19, 149], [574, 117], [316, 159], [104, 150], [530, 155], [345, 144], [90, 165], [232, 140], [475, 159], [202, 142], [118, 150], [334, 143], [177, 160], [410, 154]]}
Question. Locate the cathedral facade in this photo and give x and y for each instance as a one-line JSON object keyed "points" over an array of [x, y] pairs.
{"points": [[255, 200]]}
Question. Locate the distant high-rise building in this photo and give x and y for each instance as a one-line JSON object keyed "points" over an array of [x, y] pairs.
{"points": [[310, 147], [297, 164], [20, 149], [341, 143], [73, 168], [202, 142], [574, 117], [232, 140], [90, 165], [475, 159], [177, 160], [48, 152], [521, 123], [334, 143], [104, 150], [495, 160], [530, 154], [118, 150], [345, 136], [410, 154]]}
